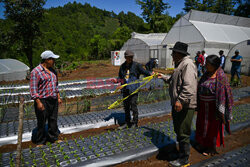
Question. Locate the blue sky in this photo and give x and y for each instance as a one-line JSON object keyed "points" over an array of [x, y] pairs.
{"points": [[112, 5]]}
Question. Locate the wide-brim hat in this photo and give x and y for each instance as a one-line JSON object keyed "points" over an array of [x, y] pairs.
{"points": [[129, 53], [49, 54], [180, 47]]}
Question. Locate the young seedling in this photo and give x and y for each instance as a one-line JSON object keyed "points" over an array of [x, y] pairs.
{"points": [[66, 157], [61, 149], [57, 163]]}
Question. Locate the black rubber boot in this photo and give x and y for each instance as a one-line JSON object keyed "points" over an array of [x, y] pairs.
{"points": [[134, 125], [184, 152], [181, 162], [126, 125]]}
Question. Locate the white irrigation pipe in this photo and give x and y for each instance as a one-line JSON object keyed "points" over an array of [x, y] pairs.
{"points": [[26, 86], [79, 88]]}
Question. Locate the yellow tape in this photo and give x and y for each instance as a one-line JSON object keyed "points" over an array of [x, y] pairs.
{"points": [[146, 80], [135, 82]]}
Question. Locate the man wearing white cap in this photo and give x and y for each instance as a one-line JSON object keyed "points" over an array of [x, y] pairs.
{"points": [[44, 92]]}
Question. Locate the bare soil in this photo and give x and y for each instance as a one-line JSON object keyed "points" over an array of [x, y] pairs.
{"points": [[235, 140], [105, 69]]}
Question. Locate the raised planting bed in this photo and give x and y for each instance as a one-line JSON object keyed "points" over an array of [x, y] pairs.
{"points": [[112, 147], [76, 123], [237, 158]]}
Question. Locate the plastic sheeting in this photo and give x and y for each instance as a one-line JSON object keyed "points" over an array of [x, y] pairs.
{"points": [[146, 46], [11, 70], [244, 49], [208, 31]]}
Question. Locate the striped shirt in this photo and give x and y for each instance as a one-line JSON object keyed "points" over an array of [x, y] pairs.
{"points": [[43, 83]]}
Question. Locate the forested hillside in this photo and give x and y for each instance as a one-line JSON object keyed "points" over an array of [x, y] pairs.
{"points": [[75, 32], [79, 32]]}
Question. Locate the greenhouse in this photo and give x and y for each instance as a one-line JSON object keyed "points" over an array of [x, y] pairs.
{"points": [[12, 70], [146, 46], [208, 31], [200, 30], [244, 49]]}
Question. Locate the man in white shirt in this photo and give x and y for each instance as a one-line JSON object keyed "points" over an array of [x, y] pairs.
{"points": [[205, 56]]}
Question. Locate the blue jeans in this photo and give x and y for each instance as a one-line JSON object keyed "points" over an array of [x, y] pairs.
{"points": [[199, 69], [236, 71]]}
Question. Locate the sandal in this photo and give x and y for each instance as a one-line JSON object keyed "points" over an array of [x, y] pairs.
{"points": [[210, 151], [205, 153]]}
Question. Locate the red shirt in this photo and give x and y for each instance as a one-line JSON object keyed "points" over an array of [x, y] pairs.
{"points": [[201, 59], [43, 83]]}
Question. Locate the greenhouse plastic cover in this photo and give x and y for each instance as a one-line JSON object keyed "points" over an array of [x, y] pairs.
{"points": [[11, 69], [222, 33], [150, 39], [198, 26]]}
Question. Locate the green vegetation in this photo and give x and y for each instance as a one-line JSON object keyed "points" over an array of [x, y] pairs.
{"points": [[79, 32], [229, 7]]}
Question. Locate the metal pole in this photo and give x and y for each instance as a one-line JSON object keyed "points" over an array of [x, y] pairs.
{"points": [[20, 132]]}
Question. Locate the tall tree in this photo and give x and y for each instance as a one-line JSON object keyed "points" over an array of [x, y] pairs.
{"points": [[191, 4], [216, 6], [243, 8], [26, 15], [224, 6], [153, 11], [120, 36]]}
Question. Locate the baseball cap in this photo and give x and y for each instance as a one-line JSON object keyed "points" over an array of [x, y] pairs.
{"points": [[129, 53], [49, 54]]}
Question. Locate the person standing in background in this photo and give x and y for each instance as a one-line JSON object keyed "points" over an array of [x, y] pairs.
{"points": [[151, 64], [222, 59], [204, 63], [44, 92], [199, 60], [236, 68]]}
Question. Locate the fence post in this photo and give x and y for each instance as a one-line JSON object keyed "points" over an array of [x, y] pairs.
{"points": [[20, 132]]}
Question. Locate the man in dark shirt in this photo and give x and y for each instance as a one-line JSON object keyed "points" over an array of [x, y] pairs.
{"points": [[236, 67], [129, 72], [222, 59], [151, 64]]}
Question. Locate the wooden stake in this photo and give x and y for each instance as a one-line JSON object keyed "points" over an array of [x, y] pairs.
{"points": [[20, 132]]}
